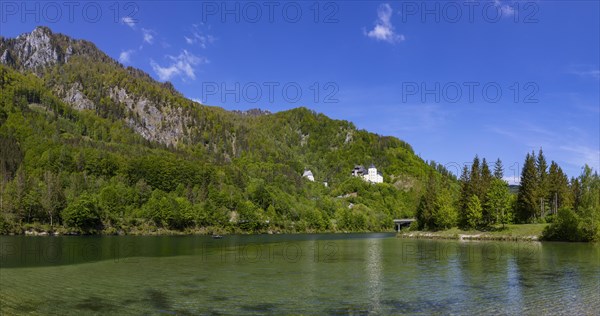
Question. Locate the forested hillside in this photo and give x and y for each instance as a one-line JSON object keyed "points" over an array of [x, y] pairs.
{"points": [[90, 146]]}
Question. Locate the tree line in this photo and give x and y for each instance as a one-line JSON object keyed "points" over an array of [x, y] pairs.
{"points": [[545, 195]]}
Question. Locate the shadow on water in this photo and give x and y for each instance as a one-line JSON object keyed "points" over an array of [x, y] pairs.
{"points": [[421, 306], [128, 301], [260, 308], [25, 251], [351, 309], [95, 304], [28, 307], [219, 298], [158, 299], [188, 293], [195, 283]]}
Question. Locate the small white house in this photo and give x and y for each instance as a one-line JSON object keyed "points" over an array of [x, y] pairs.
{"points": [[309, 175]]}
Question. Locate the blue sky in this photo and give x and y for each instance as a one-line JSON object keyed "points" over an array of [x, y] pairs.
{"points": [[454, 79]]}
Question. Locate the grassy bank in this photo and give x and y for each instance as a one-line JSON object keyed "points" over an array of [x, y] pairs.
{"points": [[513, 232]]}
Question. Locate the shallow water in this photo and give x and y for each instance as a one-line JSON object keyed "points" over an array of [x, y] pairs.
{"points": [[295, 274]]}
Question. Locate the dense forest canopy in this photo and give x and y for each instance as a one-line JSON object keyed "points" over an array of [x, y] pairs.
{"points": [[91, 146]]}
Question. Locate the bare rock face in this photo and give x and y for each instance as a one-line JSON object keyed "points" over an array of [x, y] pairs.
{"points": [[77, 99], [164, 125], [35, 49], [349, 136], [6, 58], [68, 53]]}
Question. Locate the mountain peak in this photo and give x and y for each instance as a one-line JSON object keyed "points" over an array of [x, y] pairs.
{"points": [[35, 49], [42, 48], [40, 31]]}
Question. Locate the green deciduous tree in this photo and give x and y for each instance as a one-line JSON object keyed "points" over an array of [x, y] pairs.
{"points": [[83, 213], [445, 215], [53, 198], [474, 212], [589, 205], [583, 222], [497, 209], [565, 226]]}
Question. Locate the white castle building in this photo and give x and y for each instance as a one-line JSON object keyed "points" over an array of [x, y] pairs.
{"points": [[370, 175], [309, 175]]}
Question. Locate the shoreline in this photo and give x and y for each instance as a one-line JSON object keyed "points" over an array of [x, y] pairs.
{"points": [[196, 232], [510, 232], [468, 237]]}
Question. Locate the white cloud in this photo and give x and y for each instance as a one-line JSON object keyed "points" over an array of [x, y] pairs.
{"points": [[148, 35], [384, 30], [164, 73], [198, 37], [512, 180], [581, 155], [585, 71], [129, 21], [125, 56], [505, 9], [182, 65]]}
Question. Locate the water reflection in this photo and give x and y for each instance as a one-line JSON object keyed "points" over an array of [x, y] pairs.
{"points": [[514, 297], [374, 270]]}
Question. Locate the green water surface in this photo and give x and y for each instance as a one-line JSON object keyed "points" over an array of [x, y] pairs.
{"points": [[356, 274]]}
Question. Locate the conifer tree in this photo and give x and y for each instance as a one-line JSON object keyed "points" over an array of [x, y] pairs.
{"points": [[475, 177], [498, 169], [465, 193], [542, 173], [486, 182], [527, 199], [426, 208], [486, 178], [559, 194]]}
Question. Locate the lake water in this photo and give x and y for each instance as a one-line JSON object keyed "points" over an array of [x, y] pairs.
{"points": [[328, 274]]}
